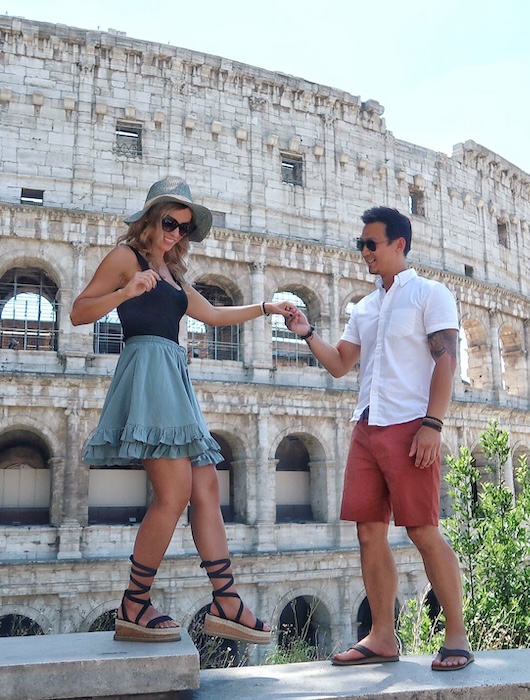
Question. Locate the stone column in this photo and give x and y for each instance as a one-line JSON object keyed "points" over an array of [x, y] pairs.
{"points": [[342, 629], [244, 475], [321, 488], [73, 344], [329, 166], [259, 328], [75, 482], [265, 492], [526, 327], [57, 468], [76, 473], [258, 177], [495, 354], [333, 327], [67, 623]]}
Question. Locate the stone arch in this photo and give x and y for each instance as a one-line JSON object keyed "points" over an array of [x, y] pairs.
{"points": [[117, 495], [288, 350], [486, 472], [353, 296], [322, 607], [216, 342], [235, 478], [27, 612], [475, 354], [311, 298], [364, 617], [301, 478], [99, 618], [513, 360], [25, 478], [307, 618], [29, 308], [215, 652]]}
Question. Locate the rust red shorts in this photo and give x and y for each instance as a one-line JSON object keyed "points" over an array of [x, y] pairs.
{"points": [[381, 479]]}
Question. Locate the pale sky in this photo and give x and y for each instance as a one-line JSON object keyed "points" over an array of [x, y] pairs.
{"points": [[445, 70]]}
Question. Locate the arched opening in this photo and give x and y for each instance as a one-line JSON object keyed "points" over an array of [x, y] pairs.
{"points": [[28, 310], [108, 334], [513, 361], [104, 623], [305, 619], [213, 342], [216, 652], [117, 495], [226, 480], [364, 618], [293, 490], [18, 626], [287, 348], [475, 355], [25, 483]]}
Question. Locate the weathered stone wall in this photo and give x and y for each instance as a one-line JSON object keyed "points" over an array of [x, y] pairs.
{"points": [[223, 127]]}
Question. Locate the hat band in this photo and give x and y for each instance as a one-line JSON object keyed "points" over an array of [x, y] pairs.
{"points": [[182, 199]]}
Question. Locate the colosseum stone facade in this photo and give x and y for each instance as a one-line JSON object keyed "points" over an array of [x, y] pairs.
{"points": [[89, 121]]}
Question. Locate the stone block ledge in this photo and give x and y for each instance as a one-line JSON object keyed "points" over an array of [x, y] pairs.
{"points": [[93, 665], [495, 675]]}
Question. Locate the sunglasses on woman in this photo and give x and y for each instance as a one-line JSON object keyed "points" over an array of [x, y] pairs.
{"points": [[169, 224]]}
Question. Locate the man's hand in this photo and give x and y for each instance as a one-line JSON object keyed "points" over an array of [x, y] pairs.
{"points": [[426, 445], [298, 323]]}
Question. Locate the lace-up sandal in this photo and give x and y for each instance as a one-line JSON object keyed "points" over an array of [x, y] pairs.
{"points": [[220, 625], [128, 631]]}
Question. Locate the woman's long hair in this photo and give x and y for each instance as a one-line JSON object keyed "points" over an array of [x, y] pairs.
{"points": [[139, 236]]}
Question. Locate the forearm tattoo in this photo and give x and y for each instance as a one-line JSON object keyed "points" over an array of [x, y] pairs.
{"points": [[442, 342]]}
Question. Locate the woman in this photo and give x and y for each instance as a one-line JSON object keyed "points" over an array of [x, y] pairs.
{"points": [[151, 415]]}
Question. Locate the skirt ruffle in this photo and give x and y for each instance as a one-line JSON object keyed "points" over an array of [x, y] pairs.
{"points": [[151, 410]]}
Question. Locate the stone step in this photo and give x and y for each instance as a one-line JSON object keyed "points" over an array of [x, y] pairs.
{"points": [[93, 665], [495, 675]]}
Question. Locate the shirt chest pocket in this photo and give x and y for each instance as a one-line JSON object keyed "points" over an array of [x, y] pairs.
{"points": [[402, 323]]}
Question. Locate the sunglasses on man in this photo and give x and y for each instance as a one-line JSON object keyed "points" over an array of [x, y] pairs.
{"points": [[169, 224], [369, 243]]}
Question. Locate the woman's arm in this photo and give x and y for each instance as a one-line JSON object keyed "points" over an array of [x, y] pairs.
{"points": [[116, 280], [201, 309]]}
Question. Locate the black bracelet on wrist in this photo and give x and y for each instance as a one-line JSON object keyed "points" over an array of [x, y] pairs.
{"points": [[263, 309], [436, 420], [309, 334], [434, 423]]}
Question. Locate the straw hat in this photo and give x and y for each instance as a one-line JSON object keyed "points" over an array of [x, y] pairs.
{"points": [[170, 189]]}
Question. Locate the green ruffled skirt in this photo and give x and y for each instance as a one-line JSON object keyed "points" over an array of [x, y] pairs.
{"points": [[151, 411]]}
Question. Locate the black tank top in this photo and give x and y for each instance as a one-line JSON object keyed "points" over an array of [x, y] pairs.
{"points": [[157, 312]]}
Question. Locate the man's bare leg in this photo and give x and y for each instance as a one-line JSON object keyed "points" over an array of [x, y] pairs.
{"points": [[441, 567], [380, 582]]}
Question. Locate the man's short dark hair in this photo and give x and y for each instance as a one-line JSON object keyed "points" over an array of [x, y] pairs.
{"points": [[397, 225]]}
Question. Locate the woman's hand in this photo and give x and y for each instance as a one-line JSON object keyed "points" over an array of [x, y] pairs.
{"points": [[283, 308], [141, 282]]}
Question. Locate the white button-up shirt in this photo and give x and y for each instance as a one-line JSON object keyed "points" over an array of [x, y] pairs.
{"points": [[396, 363]]}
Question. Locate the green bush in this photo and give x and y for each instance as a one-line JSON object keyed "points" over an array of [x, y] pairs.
{"points": [[489, 533]]}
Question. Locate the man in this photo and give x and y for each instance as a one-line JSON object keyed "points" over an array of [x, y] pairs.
{"points": [[405, 336]]}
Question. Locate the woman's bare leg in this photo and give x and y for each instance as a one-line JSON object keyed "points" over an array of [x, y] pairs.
{"points": [[209, 535], [171, 481]]}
